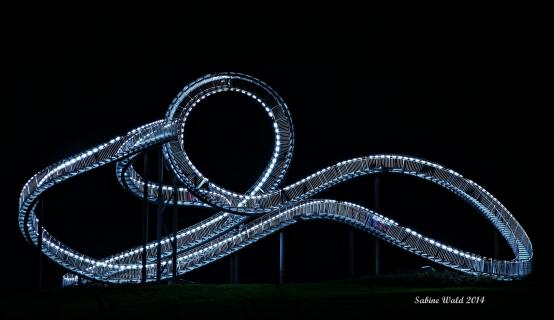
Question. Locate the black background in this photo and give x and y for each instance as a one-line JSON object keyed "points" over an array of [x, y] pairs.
{"points": [[458, 86]]}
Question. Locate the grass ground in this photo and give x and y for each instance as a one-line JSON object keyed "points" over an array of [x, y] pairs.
{"points": [[358, 299]]}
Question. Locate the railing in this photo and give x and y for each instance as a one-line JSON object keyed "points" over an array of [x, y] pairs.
{"points": [[274, 208]]}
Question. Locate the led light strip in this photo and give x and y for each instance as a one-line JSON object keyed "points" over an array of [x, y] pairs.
{"points": [[274, 208]]}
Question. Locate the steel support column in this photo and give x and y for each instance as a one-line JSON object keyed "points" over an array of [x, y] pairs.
{"points": [[350, 254], [377, 207], [144, 218], [159, 218], [496, 243], [234, 268], [281, 257], [174, 242]]}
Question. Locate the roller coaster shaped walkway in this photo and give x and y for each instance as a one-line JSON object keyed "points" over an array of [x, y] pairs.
{"points": [[265, 208]]}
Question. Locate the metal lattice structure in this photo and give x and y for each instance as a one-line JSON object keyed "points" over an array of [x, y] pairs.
{"points": [[264, 208]]}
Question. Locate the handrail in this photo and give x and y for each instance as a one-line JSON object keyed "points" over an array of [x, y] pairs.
{"points": [[272, 206]]}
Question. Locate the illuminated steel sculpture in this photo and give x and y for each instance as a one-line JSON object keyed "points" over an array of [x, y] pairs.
{"points": [[264, 208]]}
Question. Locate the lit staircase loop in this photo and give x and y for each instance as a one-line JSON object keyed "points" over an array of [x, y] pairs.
{"points": [[244, 218]]}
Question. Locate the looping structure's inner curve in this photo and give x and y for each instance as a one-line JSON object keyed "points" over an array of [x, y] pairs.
{"points": [[244, 218]]}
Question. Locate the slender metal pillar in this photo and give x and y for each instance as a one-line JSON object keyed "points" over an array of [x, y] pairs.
{"points": [[39, 241], [496, 245], [234, 268], [350, 254], [281, 257], [377, 207], [175, 212], [159, 220], [144, 218]]}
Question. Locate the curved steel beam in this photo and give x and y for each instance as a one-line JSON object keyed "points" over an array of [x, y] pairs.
{"points": [[273, 207]]}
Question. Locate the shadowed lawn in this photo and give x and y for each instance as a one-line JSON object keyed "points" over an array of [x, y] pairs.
{"points": [[357, 299]]}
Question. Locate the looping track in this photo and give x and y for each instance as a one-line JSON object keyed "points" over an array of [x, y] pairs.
{"points": [[265, 207]]}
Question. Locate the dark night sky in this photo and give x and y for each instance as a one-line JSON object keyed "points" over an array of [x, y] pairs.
{"points": [[458, 86]]}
